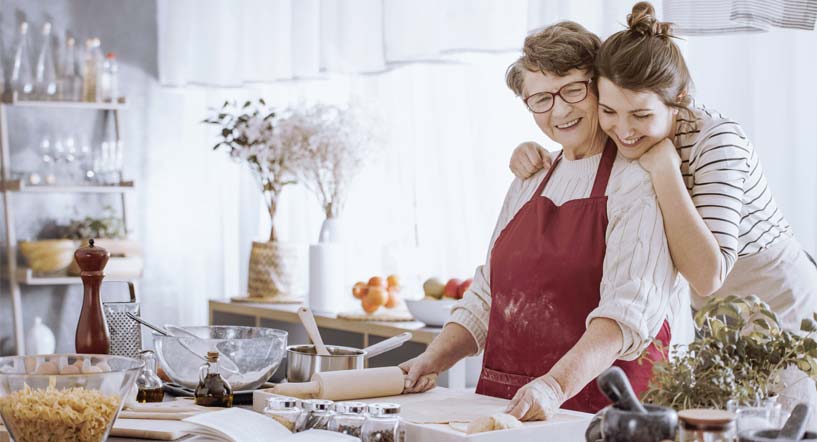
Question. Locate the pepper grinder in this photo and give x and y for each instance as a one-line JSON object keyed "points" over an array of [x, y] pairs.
{"points": [[92, 330]]}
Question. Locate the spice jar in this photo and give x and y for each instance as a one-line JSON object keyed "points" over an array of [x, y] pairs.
{"points": [[284, 410], [349, 418], [703, 425], [316, 414], [382, 424]]}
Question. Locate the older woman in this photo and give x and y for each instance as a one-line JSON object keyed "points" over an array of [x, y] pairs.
{"points": [[725, 231], [578, 276]]}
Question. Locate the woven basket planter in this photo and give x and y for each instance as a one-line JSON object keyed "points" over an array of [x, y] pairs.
{"points": [[272, 269]]}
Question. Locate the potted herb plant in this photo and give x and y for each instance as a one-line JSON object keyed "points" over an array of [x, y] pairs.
{"points": [[739, 354]]}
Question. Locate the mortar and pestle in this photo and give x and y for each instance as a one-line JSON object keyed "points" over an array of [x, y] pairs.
{"points": [[627, 420], [793, 430]]}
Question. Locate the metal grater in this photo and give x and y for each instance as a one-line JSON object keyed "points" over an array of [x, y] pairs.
{"points": [[126, 335]]}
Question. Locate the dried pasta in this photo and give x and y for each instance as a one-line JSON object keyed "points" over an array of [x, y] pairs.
{"points": [[69, 415]]}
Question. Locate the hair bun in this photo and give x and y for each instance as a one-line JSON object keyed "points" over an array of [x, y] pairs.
{"points": [[642, 21]]}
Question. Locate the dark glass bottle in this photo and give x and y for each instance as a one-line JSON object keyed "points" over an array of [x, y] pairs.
{"points": [[213, 390], [92, 330], [147, 382]]}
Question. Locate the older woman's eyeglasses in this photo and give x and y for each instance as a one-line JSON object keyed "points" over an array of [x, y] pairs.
{"points": [[572, 93]]}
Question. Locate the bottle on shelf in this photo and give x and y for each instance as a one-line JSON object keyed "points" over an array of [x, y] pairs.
{"points": [[45, 75], [213, 390], [22, 75], [109, 82], [70, 78], [108, 156], [91, 70], [40, 339]]}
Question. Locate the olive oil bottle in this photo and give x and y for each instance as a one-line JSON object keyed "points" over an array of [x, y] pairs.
{"points": [[213, 390]]}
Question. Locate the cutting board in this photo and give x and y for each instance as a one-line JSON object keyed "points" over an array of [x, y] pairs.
{"points": [[428, 416], [151, 429], [138, 428]]}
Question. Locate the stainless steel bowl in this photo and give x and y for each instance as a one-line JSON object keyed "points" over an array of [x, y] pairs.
{"points": [[303, 361]]}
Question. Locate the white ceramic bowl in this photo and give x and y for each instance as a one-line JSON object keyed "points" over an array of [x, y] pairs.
{"points": [[431, 312]]}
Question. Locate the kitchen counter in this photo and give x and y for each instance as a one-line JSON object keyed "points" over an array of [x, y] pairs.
{"points": [[345, 332]]}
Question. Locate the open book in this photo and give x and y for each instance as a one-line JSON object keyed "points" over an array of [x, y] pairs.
{"points": [[239, 425]]}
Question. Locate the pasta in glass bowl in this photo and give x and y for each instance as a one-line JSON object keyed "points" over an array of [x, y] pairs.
{"points": [[69, 397]]}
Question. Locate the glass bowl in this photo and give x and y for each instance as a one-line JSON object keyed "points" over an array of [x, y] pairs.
{"points": [[248, 355], [66, 397]]}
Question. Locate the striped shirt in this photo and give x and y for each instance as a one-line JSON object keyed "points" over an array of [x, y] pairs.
{"points": [[723, 174], [711, 17], [640, 286]]}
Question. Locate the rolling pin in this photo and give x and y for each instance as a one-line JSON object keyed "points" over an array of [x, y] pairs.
{"points": [[347, 384]]}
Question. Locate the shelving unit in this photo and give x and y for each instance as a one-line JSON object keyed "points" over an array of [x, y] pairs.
{"points": [[11, 188]]}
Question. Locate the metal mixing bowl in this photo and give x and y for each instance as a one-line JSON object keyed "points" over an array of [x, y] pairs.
{"points": [[256, 352]]}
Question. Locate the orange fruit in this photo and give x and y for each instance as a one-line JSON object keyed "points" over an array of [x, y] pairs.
{"points": [[376, 281], [393, 281], [359, 290], [393, 298], [369, 307], [377, 296]]}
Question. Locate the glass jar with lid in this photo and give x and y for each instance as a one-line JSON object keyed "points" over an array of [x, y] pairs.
{"points": [[705, 425], [382, 424], [284, 410], [349, 418], [316, 415]]}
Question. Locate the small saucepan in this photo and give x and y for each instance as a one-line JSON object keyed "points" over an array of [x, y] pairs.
{"points": [[303, 361]]}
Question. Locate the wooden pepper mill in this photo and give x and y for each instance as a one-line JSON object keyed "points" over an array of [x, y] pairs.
{"points": [[92, 330]]}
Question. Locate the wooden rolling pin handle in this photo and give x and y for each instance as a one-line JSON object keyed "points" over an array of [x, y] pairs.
{"points": [[300, 390], [360, 384]]}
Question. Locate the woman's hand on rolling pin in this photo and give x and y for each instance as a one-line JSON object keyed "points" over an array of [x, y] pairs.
{"points": [[421, 373], [661, 158], [529, 158], [537, 400]]}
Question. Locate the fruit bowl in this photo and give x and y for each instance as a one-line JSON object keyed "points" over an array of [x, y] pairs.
{"points": [[249, 355], [39, 403], [432, 312]]}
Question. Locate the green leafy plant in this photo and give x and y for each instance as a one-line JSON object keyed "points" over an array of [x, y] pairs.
{"points": [[739, 353], [108, 226]]}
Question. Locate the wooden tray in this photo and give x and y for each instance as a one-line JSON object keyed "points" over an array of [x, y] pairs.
{"points": [[381, 315], [267, 300]]}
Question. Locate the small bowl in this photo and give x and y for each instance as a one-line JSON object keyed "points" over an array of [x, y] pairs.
{"points": [[37, 403], [256, 351], [431, 312]]}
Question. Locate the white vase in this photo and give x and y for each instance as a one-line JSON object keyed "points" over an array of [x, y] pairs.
{"points": [[331, 231], [327, 269], [40, 339]]}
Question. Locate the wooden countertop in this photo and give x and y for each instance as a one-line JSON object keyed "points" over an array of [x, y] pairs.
{"points": [[287, 313]]}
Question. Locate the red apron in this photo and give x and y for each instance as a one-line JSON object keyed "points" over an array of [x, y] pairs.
{"points": [[546, 269]]}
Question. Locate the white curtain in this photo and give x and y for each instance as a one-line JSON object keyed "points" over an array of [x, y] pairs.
{"points": [[235, 42], [427, 203]]}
